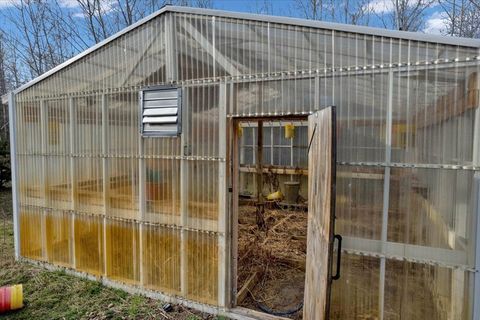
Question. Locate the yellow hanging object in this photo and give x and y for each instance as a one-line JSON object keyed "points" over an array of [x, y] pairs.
{"points": [[289, 131], [277, 195], [239, 130]]}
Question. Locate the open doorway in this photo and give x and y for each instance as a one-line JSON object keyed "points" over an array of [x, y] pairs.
{"points": [[283, 204], [272, 215]]}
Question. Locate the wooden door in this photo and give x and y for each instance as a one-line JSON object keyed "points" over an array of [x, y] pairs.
{"points": [[321, 214]]}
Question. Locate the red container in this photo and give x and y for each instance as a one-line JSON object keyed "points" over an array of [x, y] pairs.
{"points": [[11, 298], [5, 299]]}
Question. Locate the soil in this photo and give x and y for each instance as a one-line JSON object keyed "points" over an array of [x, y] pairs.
{"points": [[277, 255]]}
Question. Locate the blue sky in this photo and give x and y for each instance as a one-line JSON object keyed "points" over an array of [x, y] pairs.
{"points": [[434, 23]]}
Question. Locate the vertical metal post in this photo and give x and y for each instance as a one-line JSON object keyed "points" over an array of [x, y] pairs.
{"points": [[13, 161], [170, 49], [222, 191], [141, 198], [44, 135], [386, 195], [476, 240], [476, 213], [184, 197], [105, 179], [73, 182]]}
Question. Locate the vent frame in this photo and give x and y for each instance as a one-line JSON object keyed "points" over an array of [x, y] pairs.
{"points": [[176, 132]]}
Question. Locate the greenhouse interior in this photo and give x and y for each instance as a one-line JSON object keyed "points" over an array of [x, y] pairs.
{"points": [[173, 159]]}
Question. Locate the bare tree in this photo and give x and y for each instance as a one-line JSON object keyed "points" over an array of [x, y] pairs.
{"points": [[346, 11], [316, 9], [38, 37], [406, 15], [461, 17]]}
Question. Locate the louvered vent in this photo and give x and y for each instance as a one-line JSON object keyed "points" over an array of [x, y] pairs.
{"points": [[161, 111]]}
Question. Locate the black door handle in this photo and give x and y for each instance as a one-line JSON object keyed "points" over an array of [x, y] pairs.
{"points": [[339, 256]]}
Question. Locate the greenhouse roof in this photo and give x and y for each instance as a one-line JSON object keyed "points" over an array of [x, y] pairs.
{"points": [[406, 35]]}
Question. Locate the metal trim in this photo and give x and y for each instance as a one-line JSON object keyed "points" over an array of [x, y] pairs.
{"points": [[13, 166], [416, 36]]}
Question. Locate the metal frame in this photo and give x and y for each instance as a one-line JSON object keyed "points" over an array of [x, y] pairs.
{"points": [[13, 161], [416, 36]]}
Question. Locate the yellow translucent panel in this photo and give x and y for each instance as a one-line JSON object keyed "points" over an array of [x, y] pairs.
{"points": [[203, 194], [59, 182], [355, 294], [161, 258], [31, 225], [122, 251], [30, 174], [57, 230], [89, 185], [202, 267], [123, 188], [162, 191], [89, 243]]}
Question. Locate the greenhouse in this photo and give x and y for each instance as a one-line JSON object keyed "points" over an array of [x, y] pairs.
{"points": [[258, 167]]}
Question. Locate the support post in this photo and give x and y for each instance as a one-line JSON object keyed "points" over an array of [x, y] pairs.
{"points": [[259, 166], [105, 179], [141, 199], [476, 240], [386, 196], [73, 182], [13, 163], [222, 191], [184, 198]]}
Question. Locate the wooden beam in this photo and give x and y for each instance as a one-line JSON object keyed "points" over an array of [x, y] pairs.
{"points": [[249, 284]]}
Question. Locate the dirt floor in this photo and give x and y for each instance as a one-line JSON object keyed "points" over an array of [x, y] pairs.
{"points": [[57, 295], [277, 256]]}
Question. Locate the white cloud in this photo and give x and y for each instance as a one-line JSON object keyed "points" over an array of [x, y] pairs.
{"points": [[68, 3], [380, 6], [435, 24], [8, 3]]}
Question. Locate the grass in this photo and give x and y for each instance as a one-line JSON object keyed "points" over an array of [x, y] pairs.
{"points": [[57, 295]]}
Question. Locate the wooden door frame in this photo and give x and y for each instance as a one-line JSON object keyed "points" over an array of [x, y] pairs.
{"points": [[233, 162]]}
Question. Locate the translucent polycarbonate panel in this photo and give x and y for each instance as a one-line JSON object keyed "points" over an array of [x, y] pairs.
{"points": [[123, 187], [88, 241], [58, 181], [359, 201], [32, 226], [431, 208], [202, 267], [161, 258], [419, 291], [165, 146], [193, 36], [58, 232], [270, 98], [123, 123], [162, 191], [201, 106], [29, 127], [278, 148], [57, 140], [136, 58], [355, 295], [88, 125], [89, 185], [202, 195], [31, 177], [362, 103], [122, 250], [433, 115]]}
